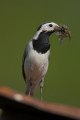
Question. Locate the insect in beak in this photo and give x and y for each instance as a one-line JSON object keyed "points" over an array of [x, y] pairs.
{"points": [[62, 32]]}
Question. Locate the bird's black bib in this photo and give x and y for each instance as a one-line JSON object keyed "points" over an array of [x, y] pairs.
{"points": [[42, 44]]}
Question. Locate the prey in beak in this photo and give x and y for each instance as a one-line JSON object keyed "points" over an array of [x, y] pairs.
{"points": [[62, 32]]}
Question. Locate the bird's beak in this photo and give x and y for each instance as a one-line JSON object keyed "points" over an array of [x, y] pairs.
{"points": [[62, 31]]}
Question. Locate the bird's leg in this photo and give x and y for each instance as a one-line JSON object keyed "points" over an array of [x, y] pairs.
{"points": [[41, 93], [41, 89], [30, 88]]}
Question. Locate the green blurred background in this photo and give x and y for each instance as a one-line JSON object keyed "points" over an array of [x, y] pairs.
{"points": [[19, 20]]}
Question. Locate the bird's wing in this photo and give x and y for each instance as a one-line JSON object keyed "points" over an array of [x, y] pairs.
{"points": [[23, 60]]}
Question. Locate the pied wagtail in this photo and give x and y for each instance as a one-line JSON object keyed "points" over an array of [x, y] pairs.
{"points": [[36, 55]]}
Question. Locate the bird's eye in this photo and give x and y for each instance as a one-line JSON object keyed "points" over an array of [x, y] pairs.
{"points": [[50, 25]]}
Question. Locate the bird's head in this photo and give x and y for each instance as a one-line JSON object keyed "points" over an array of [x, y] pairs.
{"points": [[60, 30], [48, 27]]}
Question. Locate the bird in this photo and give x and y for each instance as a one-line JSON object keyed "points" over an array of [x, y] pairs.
{"points": [[36, 57]]}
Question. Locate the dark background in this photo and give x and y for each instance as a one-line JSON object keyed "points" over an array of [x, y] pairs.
{"points": [[19, 20]]}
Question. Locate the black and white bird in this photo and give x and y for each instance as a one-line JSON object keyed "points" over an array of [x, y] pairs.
{"points": [[36, 57]]}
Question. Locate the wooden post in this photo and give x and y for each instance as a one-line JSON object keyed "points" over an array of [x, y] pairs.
{"points": [[16, 106]]}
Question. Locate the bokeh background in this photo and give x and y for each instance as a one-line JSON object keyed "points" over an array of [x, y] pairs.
{"points": [[19, 20]]}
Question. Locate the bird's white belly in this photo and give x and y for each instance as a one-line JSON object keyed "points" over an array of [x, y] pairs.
{"points": [[36, 65]]}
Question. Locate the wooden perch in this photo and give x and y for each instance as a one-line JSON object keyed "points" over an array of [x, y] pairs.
{"points": [[18, 106]]}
